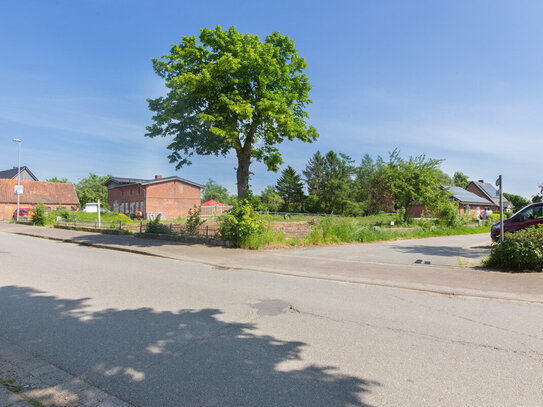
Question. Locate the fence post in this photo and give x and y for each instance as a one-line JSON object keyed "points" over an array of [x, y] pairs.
{"points": [[141, 223], [120, 225], [207, 231], [75, 222], [95, 224], [171, 227]]}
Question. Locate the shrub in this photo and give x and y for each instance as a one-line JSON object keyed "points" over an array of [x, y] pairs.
{"points": [[154, 226], [193, 222], [240, 225], [449, 214], [519, 251], [39, 215]]}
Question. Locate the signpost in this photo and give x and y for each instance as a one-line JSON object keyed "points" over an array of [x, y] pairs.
{"points": [[499, 184]]}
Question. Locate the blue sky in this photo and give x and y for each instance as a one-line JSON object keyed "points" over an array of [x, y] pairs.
{"points": [[457, 80]]}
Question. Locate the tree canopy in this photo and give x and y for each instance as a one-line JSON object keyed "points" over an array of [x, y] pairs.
{"points": [[92, 189], [460, 180], [290, 188], [416, 180], [231, 92], [518, 201], [216, 192], [55, 179]]}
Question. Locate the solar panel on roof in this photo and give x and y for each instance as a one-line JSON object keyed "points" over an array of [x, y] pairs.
{"points": [[465, 196], [490, 190]]}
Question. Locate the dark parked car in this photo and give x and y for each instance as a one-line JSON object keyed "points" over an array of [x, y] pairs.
{"points": [[526, 217]]}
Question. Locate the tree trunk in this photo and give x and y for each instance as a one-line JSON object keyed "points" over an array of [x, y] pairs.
{"points": [[242, 173]]}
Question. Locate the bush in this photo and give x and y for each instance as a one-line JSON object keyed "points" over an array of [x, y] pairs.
{"points": [[449, 214], [519, 251], [193, 222], [242, 225], [154, 226], [39, 215]]}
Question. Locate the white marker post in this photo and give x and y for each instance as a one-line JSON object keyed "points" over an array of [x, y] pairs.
{"points": [[99, 213]]}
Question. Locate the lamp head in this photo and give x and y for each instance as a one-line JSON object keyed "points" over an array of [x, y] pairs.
{"points": [[16, 140]]}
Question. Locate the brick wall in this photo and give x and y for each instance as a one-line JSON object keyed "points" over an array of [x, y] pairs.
{"points": [[171, 199], [127, 199]]}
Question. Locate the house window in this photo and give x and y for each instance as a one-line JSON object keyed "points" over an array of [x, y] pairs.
{"points": [[137, 206], [131, 207], [115, 206], [141, 206]]}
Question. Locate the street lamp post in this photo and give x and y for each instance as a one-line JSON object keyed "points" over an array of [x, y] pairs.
{"points": [[16, 140]]}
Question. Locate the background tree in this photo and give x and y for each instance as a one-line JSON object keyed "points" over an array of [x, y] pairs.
{"points": [[91, 189], [55, 179], [416, 180], [538, 197], [290, 188], [337, 185], [216, 192], [314, 174], [232, 92], [460, 180], [364, 174], [271, 200], [518, 201]]}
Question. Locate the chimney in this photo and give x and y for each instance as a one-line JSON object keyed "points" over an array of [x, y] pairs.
{"points": [[158, 176], [482, 181]]}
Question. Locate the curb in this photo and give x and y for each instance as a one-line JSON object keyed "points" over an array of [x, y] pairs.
{"points": [[27, 380], [439, 290]]}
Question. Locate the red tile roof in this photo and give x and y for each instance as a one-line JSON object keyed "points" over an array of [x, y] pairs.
{"points": [[39, 191], [212, 202]]}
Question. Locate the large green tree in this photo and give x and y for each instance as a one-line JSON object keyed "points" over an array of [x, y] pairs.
{"points": [[413, 181], [314, 174], [460, 180], [290, 188], [59, 180], [92, 189], [338, 194], [518, 201], [231, 92], [216, 192], [271, 200]]}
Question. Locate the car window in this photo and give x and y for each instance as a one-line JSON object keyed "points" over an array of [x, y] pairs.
{"points": [[528, 213], [538, 212]]}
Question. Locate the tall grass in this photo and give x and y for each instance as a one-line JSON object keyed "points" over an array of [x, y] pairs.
{"points": [[351, 230]]}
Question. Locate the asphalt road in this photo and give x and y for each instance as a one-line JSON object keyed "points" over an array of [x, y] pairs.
{"points": [[160, 332], [449, 251]]}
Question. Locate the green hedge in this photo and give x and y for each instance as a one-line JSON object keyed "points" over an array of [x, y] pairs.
{"points": [[520, 251], [495, 217]]}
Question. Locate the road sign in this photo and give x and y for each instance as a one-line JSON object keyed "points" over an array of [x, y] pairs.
{"points": [[18, 190]]}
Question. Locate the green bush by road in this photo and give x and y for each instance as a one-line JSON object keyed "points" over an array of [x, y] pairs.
{"points": [[520, 251]]}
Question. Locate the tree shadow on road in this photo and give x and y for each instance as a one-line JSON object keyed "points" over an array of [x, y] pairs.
{"points": [[187, 358], [444, 251]]}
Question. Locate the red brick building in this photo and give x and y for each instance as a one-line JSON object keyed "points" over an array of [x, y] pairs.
{"points": [[170, 197], [487, 191], [468, 203], [51, 194]]}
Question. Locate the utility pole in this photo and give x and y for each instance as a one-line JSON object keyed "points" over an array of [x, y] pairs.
{"points": [[16, 140]]}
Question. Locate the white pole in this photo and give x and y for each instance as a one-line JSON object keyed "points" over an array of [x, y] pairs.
{"points": [[16, 140], [99, 213], [19, 181], [501, 210]]}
